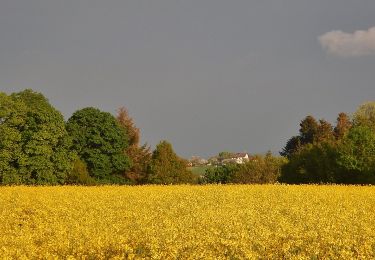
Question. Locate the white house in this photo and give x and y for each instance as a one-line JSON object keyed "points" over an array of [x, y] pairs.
{"points": [[239, 158]]}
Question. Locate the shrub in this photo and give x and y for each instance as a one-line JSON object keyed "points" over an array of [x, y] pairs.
{"points": [[79, 174]]}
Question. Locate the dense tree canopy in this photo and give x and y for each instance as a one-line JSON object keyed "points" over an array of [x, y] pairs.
{"points": [[100, 142], [310, 130], [345, 154], [365, 115], [34, 145], [313, 163], [220, 174], [357, 155]]}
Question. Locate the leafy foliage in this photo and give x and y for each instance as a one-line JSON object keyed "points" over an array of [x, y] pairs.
{"points": [[100, 142], [365, 115], [357, 155], [220, 174], [37, 147], [260, 169], [325, 132], [345, 154], [139, 155], [34, 145], [79, 174], [308, 130], [167, 168], [343, 125], [314, 163], [292, 146]]}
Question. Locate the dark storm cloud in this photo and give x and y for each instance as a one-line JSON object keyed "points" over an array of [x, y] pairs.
{"points": [[207, 75]]}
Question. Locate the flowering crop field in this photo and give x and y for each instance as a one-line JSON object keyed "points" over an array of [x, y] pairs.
{"points": [[188, 222]]}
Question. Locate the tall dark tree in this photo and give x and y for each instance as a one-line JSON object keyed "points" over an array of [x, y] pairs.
{"points": [[100, 142], [34, 145], [343, 125], [292, 146], [314, 163], [308, 129], [311, 154]]}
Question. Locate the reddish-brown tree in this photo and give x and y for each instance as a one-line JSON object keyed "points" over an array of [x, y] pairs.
{"points": [[324, 132], [343, 125], [140, 155]]}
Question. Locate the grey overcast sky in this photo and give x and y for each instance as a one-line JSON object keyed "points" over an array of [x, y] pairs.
{"points": [[207, 75]]}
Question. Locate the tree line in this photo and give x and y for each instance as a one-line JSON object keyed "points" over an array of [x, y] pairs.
{"points": [[343, 154], [320, 153], [38, 147]]}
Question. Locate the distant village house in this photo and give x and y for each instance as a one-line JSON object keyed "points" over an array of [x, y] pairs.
{"points": [[238, 158]]}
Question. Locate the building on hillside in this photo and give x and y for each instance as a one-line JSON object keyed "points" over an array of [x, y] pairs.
{"points": [[241, 158], [238, 158]]}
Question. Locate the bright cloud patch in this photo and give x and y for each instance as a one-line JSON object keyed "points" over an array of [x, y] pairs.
{"points": [[359, 43]]}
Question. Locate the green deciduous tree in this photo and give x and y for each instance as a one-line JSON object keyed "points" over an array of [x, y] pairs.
{"points": [[221, 174], [357, 155], [79, 174], [100, 142], [12, 158], [313, 163], [346, 155], [365, 115], [167, 168], [34, 145]]}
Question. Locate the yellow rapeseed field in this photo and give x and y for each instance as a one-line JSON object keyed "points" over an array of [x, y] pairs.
{"points": [[188, 222]]}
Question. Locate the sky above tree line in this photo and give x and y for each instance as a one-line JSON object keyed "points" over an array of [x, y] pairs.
{"points": [[207, 75]]}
